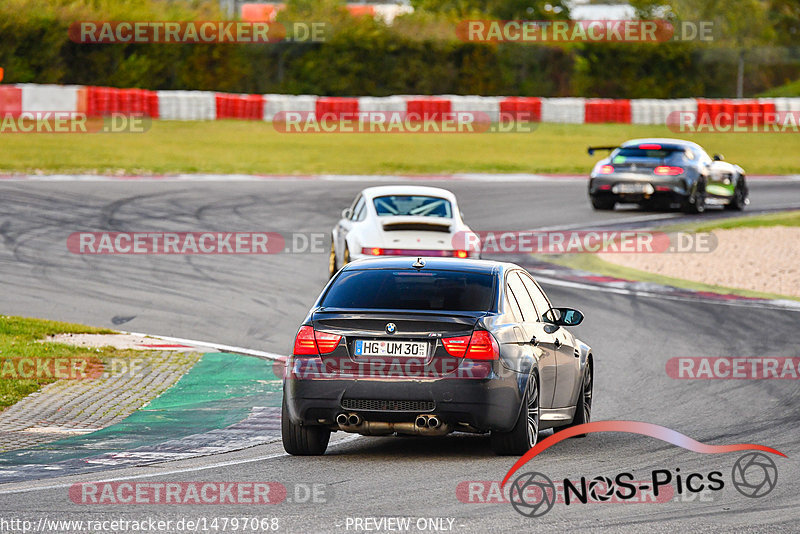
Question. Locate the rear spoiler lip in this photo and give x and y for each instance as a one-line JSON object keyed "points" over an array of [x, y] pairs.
{"points": [[590, 150], [321, 312], [415, 226]]}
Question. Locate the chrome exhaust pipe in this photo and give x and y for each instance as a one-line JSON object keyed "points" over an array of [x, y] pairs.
{"points": [[354, 419], [342, 419], [433, 422], [421, 421]]}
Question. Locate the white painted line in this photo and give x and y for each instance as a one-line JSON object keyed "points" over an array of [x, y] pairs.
{"points": [[215, 346], [172, 471], [771, 305], [610, 222]]}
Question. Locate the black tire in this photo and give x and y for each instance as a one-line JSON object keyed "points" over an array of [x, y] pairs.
{"points": [[603, 203], [302, 440], [696, 207], [697, 202], [333, 266], [583, 408], [525, 433], [739, 200]]}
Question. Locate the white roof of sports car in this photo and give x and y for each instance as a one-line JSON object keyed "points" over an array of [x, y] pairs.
{"points": [[383, 190]]}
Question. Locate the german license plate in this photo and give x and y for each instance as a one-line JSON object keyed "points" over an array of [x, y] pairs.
{"points": [[378, 347], [625, 189]]}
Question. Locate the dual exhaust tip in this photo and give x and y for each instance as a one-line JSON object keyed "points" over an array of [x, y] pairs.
{"points": [[422, 421], [344, 419], [428, 421]]}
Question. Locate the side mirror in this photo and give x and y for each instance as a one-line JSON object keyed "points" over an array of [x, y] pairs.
{"points": [[346, 213], [563, 317], [718, 157]]}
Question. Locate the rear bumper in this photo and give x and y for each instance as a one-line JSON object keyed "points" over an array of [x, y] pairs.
{"points": [[660, 188], [481, 404]]}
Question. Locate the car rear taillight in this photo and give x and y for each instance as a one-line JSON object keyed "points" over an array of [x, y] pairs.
{"points": [[480, 346], [649, 146], [461, 254], [372, 251], [456, 346], [666, 170], [607, 169], [311, 343], [605, 187], [327, 343], [662, 188], [304, 343]]}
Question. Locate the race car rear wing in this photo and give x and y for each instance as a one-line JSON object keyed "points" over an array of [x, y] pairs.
{"points": [[591, 149]]}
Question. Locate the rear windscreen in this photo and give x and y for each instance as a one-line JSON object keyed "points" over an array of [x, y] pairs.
{"points": [[413, 205], [412, 290], [636, 152]]}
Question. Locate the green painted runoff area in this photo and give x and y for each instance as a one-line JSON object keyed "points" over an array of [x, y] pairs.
{"points": [[217, 392]]}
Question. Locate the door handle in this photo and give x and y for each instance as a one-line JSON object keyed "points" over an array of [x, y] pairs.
{"points": [[558, 343], [534, 341]]}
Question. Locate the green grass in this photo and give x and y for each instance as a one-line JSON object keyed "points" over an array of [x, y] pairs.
{"points": [[790, 89], [256, 148], [18, 339], [784, 218]]}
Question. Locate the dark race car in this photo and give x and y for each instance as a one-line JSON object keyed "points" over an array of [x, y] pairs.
{"points": [[430, 346], [663, 173]]}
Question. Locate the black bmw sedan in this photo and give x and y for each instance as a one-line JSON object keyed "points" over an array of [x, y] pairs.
{"points": [[429, 346]]}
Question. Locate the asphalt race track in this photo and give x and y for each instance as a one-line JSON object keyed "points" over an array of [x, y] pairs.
{"points": [[258, 301]]}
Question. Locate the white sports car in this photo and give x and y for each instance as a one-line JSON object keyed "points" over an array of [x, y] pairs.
{"points": [[401, 221]]}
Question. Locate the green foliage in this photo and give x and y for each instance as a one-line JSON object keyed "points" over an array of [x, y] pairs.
{"points": [[35, 47], [791, 89], [419, 53]]}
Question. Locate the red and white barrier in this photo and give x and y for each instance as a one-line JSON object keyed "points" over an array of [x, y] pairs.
{"points": [[566, 110], [207, 105], [274, 104], [248, 107], [602, 110], [489, 105], [382, 104], [101, 101], [10, 100], [784, 104], [187, 105], [333, 107], [655, 111], [49, 97]]}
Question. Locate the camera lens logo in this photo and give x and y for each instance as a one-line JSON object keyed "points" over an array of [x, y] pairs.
{"points": [[601, 489], [532, 494], [754, 475]]}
